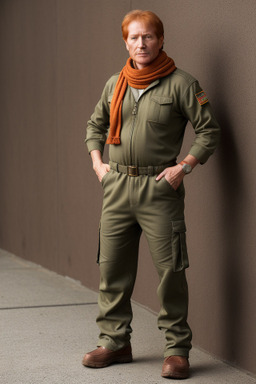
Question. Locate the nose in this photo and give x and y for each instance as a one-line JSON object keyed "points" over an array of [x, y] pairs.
{"points": [[141, 42]]}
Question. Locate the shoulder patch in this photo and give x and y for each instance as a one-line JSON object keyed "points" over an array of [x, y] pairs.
{"points": [[201, 97]]}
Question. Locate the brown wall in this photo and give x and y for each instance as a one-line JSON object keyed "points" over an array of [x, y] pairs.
{"points": [[55, 58]]}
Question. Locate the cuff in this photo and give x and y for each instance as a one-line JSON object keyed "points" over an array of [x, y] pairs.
{"points": [[201, 153], [92, 145]]}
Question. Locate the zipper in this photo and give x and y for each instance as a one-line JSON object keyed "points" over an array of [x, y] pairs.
{"points": [[134, 113]]}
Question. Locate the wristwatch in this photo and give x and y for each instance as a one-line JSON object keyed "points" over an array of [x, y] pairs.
{"points": [[186, 168]]}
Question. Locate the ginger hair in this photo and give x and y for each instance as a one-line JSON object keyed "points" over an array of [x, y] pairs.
{"points": [[148, 17]]}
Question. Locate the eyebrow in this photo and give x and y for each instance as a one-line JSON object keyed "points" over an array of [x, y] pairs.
{"points": [[137, 34]]}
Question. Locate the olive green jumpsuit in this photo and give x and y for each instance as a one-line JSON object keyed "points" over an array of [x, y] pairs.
{"points": [[153, 126]]}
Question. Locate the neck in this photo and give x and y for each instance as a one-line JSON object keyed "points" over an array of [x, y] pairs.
{"points": [[134, 65]]}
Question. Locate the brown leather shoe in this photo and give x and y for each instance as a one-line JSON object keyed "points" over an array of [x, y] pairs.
{"points": [[176, 367], [102, 357]]}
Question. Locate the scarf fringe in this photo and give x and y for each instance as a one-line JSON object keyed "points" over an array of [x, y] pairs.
{"points": [[113, 140]]}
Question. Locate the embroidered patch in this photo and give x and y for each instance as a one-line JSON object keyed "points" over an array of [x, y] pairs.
{"points": [[201, 97]]}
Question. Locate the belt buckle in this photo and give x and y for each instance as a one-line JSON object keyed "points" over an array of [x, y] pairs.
{"points": [[132, 170]]}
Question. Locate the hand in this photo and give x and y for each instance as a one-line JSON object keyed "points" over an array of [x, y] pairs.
{"points": [[174, 176], [101, 170], [99, 167]]}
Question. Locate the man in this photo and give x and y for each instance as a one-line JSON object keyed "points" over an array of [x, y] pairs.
{"points": [[147, 107]]}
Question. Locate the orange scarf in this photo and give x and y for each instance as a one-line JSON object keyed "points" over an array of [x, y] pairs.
{"points": [[136, 78]]}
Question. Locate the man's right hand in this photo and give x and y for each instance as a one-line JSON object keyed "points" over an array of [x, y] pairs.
{"points": [[99, 167]]}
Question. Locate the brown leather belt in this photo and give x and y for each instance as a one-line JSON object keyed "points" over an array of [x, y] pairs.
{"points": [[134, 171]]}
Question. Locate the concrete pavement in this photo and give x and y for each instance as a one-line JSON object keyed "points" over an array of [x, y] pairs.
{"points": [[47, 323]]}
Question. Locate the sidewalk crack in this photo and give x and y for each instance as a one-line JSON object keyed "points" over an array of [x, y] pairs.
{"points": [[48, 306]]}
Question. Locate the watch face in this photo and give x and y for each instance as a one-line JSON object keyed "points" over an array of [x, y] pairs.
{"points": [[187, 168]]}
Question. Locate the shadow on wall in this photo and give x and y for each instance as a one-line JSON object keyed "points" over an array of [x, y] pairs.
{"points": [[232, 189], [231, 199]]}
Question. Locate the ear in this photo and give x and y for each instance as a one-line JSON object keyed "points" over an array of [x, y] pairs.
{"points": [[126, 45], [161, 42]]}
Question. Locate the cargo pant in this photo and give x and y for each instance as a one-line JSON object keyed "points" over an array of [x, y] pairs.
{"points": [[132, 205]]}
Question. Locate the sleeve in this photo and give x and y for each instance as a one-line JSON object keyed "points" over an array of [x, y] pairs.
{"points": [[98, 125], [197, 109]]}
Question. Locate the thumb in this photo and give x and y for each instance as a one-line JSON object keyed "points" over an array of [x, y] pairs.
{"points": [[159, 177]]}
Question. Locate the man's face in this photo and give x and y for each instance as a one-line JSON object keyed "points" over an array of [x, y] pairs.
{"points": [[142, 43]]}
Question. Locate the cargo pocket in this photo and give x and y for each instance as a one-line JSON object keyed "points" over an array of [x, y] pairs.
{"points": [[179, 246]]}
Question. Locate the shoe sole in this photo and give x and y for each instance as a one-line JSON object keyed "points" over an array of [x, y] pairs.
{"points": [[171, 375], [118, 360]]}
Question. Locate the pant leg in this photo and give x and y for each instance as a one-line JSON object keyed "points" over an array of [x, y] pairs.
{"points": [[173, 295], [119, 241], [165, 233]]}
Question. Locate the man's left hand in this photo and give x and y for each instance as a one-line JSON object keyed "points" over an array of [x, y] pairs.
{"points": [[174, 176]]}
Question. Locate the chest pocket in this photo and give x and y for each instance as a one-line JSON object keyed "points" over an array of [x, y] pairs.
{"points": [[160, 109]]}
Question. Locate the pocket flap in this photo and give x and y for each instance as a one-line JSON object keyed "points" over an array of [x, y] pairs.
{"points": [[179, 226], [162, 100]]}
